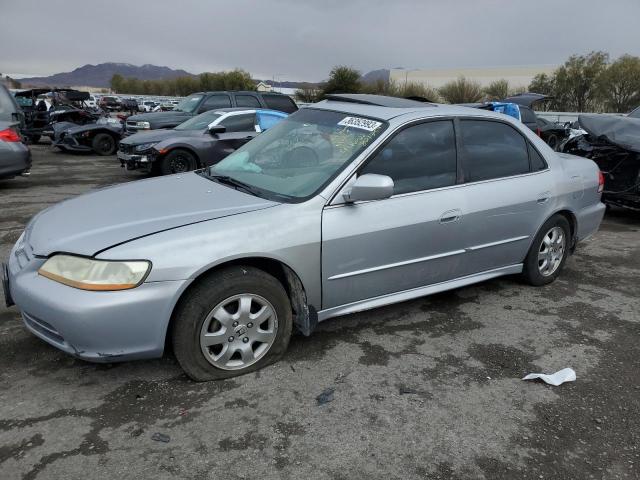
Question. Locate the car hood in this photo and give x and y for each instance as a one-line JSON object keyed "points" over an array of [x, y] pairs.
{"points": [[93, 222], [158, 119], [157, 135]]}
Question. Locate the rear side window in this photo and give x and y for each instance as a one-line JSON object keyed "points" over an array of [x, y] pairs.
{"points": [[492, 150], [418, 158], [282, 103], [7, 106], [215, 101], [537, 162], [240, 123], [247, 101]]}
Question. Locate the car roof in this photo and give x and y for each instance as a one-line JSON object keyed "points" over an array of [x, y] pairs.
{"points": [[249, 92], [420, 110]]}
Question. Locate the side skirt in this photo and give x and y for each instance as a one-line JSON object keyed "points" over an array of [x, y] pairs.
{"points": [[405, 295]]}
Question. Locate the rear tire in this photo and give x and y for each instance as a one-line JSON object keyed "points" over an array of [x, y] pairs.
{"points": [[34, 139], [548, 252], [178, 161], [104, 144], [213, 308]]}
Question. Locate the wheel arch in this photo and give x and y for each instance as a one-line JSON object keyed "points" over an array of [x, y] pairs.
{"points": [[305, 317]]}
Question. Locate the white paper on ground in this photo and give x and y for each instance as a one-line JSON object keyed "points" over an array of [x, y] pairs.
{"points": [[558, 378]]}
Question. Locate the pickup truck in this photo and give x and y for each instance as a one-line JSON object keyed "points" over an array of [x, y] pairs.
{"points": [[201, 102]]}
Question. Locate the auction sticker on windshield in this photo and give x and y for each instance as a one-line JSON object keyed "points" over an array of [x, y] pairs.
{"points": [[361, 123]]}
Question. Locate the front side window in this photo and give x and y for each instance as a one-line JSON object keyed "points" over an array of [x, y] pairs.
{"points": [[216, 101], [298, 156], [245, 122], [418, 158], [199, 122], [189, 104], [492, 150]]}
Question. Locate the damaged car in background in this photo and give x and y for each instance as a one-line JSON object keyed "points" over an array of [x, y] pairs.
{"points": [[613, 142], [353, 203], [68, 106], [100, 137], [199, 142]]}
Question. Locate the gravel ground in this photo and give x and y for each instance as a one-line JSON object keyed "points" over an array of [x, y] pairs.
{"points": [[424, 389]]}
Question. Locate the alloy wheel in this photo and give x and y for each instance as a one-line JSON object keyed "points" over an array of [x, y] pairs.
{"points": [[551, 251], [238, 331]]}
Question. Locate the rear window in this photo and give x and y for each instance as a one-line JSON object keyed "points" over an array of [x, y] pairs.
{"points": [[527, 115], [282, 103]]}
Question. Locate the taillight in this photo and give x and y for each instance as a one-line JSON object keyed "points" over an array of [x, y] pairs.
{"points": [[9, 135], [600, 182]]}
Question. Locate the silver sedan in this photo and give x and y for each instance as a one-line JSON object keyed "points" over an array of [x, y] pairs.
{"points": [[353, 203]]}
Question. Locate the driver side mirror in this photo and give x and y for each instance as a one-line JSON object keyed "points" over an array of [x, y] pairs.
{"points": [[369, 186], [215, 129]]}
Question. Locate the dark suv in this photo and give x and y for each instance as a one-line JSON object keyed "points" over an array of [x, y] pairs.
{"points": [[200, 102], [110, 104]]}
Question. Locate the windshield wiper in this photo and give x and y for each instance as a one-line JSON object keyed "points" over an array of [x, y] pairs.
{"points": [[235, 183]]}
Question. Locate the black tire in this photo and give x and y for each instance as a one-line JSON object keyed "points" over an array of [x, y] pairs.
{"points": [[200, 300], [34, 139], [531, 272], [178, 161], [553, 141], [104, 144]]}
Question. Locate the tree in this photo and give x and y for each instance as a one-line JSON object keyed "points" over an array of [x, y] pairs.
{"points": [[117, 82], [620, 84], [542, 83], [461, 91], [576, 83], [343, 79], [497, 90]]}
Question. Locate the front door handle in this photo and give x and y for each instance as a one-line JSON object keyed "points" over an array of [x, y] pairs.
{"points": [[450, 216]]}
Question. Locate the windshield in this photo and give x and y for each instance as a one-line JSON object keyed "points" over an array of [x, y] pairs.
{"points": [[199, 122], [299, 155], [189, 104], [635, 113]]}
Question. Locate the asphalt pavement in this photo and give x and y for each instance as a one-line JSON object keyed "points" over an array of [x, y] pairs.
{"points": [[426, 389]]}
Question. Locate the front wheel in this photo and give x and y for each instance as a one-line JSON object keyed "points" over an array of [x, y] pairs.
{"points": [[233, 322], [548, 252], [104, 144], [178, 161]]}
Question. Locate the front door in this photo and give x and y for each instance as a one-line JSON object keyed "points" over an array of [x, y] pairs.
{"points": [[410, 240]]}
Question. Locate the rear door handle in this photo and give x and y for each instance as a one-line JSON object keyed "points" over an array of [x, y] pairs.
{"points": [[543, 197], [450, 216]]}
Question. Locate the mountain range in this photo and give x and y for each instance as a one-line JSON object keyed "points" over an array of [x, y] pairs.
{"points": [[100, 76]]}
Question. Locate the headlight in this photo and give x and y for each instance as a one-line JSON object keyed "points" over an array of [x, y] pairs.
{"points": [[90, 274], [143, 125], [144, 146]]}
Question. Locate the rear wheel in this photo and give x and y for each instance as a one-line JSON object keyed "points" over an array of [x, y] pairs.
{"points": [[34, 139], [548, 252], [104, 144], [233, 322], [553, 141], [178, 161]]}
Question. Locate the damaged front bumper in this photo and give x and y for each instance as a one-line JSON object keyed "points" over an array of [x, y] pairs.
{"points": [[141, 161]]}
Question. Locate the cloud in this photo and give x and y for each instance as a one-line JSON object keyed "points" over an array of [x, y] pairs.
{"points": [[302, 40]]}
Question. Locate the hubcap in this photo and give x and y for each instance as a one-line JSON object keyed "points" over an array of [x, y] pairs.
{"points": [[179, 164], [238, 331], [551, 251]]}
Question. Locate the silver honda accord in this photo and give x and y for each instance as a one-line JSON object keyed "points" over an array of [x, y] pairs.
{"points": [[355, 202]]}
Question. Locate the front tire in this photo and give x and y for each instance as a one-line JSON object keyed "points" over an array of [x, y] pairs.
{"points": [[549, 252], [104, 144], [178, 161], [233, 322]]}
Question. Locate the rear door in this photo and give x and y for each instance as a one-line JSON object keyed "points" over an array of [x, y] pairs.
{"points": [[507, 191], [410, 240]]}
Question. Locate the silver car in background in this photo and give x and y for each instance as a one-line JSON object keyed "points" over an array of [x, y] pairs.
{"points": [[15, 157], [353, 203]]}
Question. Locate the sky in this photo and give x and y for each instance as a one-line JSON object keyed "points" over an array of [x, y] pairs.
{"points": [[301, 40]]}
